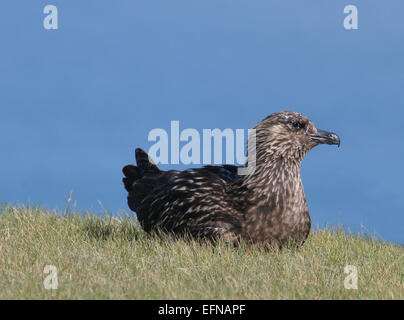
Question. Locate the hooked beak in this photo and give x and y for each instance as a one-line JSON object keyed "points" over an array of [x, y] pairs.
{"points": [[325, 137]]}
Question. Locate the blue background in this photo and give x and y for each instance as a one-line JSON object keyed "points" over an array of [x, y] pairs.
{"points": [[75, 102]]}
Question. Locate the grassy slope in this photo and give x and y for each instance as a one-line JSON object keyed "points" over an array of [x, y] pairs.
{"points": [[110, 258]]}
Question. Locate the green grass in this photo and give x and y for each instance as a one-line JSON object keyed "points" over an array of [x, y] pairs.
{"points": [[110, 258]]}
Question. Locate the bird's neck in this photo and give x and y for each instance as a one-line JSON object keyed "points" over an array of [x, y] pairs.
{"points": [[272, 202], [276, 178]]}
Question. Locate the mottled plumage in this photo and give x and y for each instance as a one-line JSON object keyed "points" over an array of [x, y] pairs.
{"points": [[266, 207]]}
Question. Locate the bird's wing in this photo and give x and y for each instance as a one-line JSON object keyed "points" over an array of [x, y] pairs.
{"points": [[226, 172], [192, 202]]}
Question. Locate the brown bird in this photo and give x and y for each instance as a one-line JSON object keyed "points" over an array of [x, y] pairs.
{"points": [[266, 207]]}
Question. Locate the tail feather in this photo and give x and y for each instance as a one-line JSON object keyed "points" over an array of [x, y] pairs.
{"points": [[133, 173], [144, 163]]}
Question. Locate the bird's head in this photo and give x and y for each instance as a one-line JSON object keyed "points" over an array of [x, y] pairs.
{"points": [[290, 135]]}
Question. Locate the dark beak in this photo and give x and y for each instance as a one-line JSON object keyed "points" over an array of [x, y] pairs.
{"points": [[325, 137]]}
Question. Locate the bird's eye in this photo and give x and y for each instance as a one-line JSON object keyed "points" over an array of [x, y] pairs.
{"points": [[297, 125]]}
